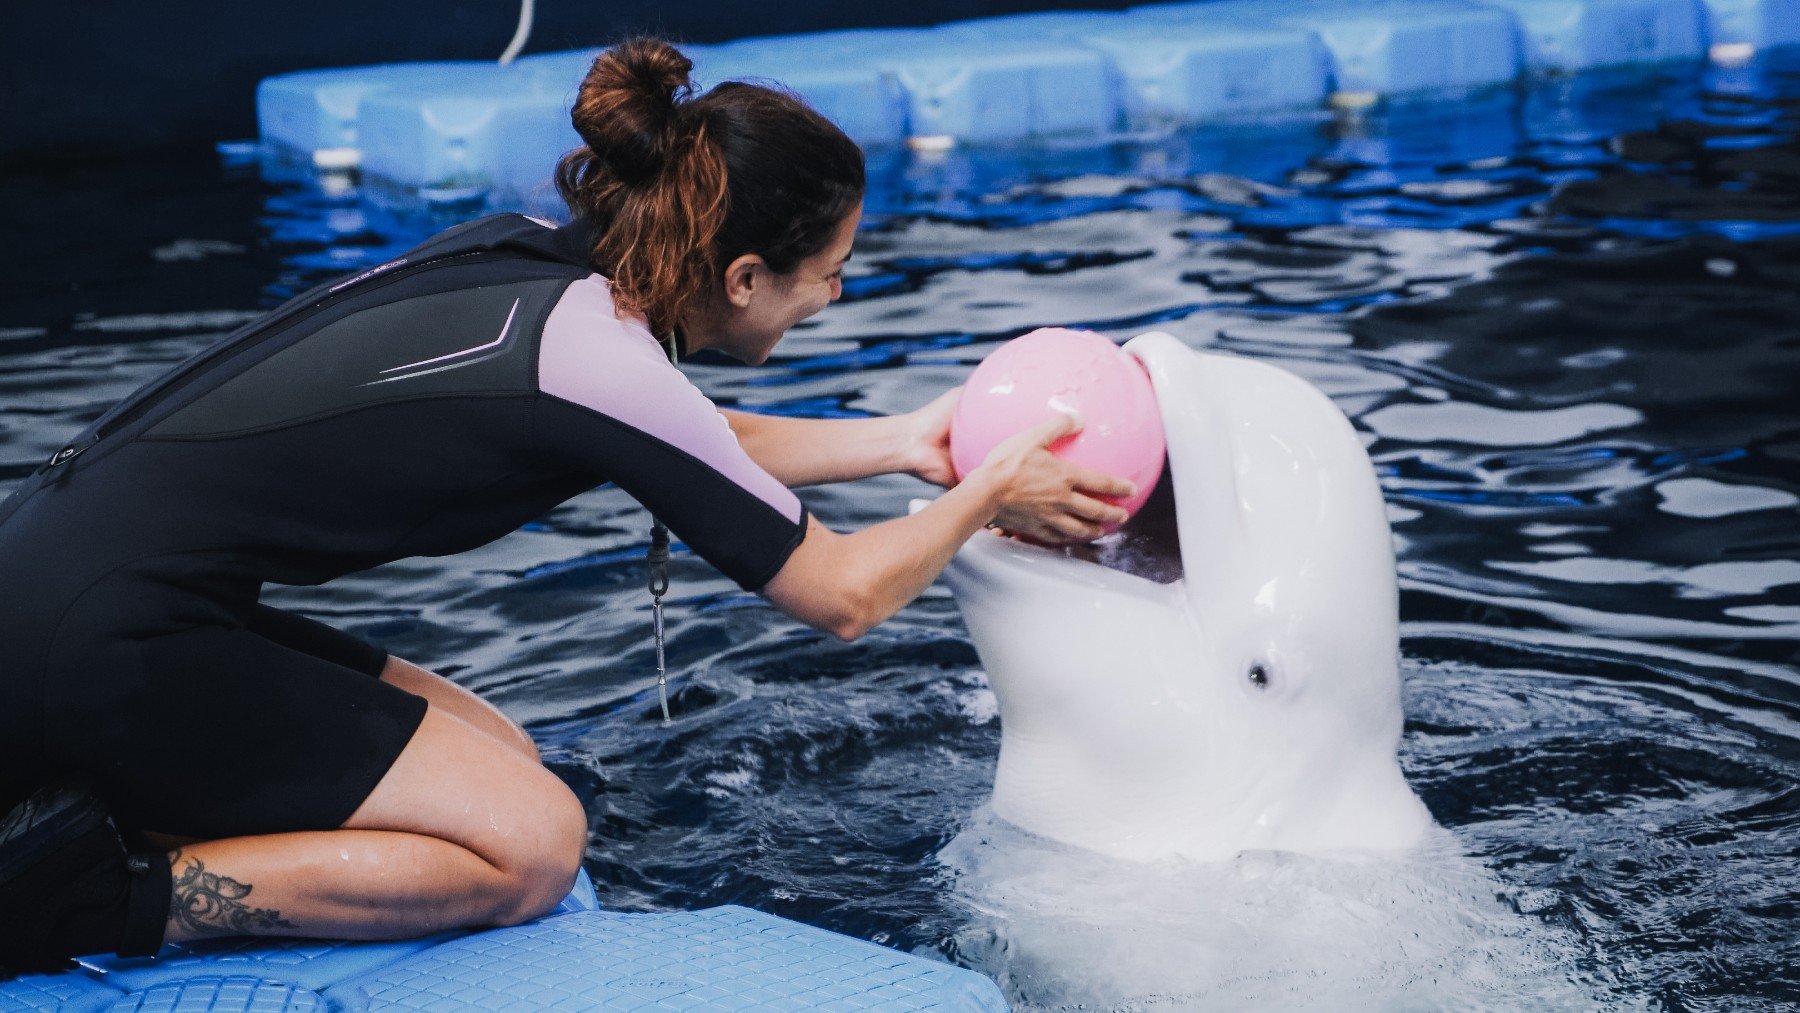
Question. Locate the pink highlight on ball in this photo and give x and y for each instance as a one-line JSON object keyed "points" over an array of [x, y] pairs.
{"points": [[1054, 369]]}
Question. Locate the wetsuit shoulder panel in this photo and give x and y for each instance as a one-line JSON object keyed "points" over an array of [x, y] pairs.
{"points": [[617, 409], [475, 339]]}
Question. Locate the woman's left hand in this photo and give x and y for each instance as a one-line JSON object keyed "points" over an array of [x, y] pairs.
{"points": [[927, 453]]}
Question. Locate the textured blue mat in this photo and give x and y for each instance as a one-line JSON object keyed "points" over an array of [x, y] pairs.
{"points": [[577, 958], [469, 130]]}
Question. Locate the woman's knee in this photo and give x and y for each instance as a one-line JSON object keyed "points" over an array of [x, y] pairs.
{"points": [[543, 870], [460, 785]]}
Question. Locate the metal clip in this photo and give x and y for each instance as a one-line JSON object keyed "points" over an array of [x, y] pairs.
{"points": [[662, 677], [659, 585], [659, 567]]}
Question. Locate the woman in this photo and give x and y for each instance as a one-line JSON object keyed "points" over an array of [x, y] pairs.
{"points": [[279, 777]]}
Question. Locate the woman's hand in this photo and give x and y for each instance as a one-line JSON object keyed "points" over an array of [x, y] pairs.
{"points": [[927, 452], [846, 584], [1045, 498]]}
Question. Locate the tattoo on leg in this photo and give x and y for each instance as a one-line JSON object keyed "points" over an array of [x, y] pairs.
{"points": [[209, 902]]}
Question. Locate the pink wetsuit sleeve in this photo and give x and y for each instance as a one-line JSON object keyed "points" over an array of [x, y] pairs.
{"points": [[658, 437]]}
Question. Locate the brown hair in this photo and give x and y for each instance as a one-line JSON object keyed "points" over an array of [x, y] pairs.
{"points": [[678, 185]]}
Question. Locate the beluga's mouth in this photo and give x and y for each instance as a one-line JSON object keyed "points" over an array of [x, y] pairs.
{"points": [[1222, 673], [1147, 546]]}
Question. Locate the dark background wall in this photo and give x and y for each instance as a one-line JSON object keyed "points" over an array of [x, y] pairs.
{"points": [[87, 79]]}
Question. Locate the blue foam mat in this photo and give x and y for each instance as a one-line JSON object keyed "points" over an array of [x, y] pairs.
{"points": [[724, 958], [71, 992], [578, 957]]}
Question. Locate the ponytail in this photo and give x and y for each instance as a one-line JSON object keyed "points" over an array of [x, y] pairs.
{"points": [[650, 176], [677, 186]]}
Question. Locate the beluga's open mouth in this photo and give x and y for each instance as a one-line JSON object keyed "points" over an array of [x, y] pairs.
{"points": [[1147, 546], [1223, 674]]}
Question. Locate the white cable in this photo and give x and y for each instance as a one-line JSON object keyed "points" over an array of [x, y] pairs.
{"points": [[520, 34]]}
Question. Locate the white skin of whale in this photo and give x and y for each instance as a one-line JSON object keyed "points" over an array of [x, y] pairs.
{"points": [[1254, 703]]}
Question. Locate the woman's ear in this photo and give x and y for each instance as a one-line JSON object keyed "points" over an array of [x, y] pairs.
{"points": [[741, 279]]}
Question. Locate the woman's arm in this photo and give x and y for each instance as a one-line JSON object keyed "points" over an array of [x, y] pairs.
{"points": [[815, 451], [848, 584]]}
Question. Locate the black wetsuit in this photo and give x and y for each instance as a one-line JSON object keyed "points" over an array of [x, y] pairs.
{"points": [[422, 408]]}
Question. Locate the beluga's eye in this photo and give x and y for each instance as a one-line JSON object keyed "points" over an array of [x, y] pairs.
{"points": [[1259, 675]]}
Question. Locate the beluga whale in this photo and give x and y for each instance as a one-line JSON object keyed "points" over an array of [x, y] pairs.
{"points": [[1245, 697]]}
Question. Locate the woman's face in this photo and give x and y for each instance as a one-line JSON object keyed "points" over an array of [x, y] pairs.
{"points": [[760, 305]]}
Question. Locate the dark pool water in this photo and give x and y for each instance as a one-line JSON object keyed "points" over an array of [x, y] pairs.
{"points": [[1567, 320]]}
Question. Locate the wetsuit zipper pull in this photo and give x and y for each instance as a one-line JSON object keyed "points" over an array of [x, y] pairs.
{"points": [[62, 457]]}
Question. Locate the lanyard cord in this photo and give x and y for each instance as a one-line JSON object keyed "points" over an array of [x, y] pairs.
{"points": [[658, 557]]}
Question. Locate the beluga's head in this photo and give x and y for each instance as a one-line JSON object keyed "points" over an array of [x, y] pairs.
{"points": [[1247, 696]]}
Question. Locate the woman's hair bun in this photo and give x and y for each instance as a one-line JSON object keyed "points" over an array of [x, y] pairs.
{"points": [[673, 186], [628, 110]]}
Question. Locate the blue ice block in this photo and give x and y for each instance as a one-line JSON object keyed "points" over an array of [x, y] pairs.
{"points": [[1391, 47], [1760, 24], [318, 110], [1194, 63], [1575, 35], [1187, 67], [945, 82], [449, 134], [831, 71], [565, 69], [991, 88]]}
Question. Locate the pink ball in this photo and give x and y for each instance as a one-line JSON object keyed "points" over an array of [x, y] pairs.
{"points": [[1029, 379]]}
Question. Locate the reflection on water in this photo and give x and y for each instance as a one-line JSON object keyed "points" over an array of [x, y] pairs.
{"points": [[1565, 322]]}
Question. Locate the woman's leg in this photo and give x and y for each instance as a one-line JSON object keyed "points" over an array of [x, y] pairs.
{"points": [[462, 831], [443, 693], [321, 801], [328, 643]]}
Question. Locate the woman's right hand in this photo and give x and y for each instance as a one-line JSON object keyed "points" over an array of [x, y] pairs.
{"points": [[845, 584], [1045, 498]]}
